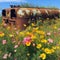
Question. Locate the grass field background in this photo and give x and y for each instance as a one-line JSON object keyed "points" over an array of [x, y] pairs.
{"points": [[34, 43]]}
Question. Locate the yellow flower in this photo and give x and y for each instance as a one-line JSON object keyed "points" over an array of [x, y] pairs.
{"points": [[43, 56], [47, 51], [38, 46], [57, 47], [42, 48], [33, 24], [54, 27], [11, 35], [37, 28], [1, 34], [41, 32], [33, 37], [52, 50], [54, 47], [42, 36], [28, 33], [28, 43], [44, 41], [8, 27], [21, 33]]}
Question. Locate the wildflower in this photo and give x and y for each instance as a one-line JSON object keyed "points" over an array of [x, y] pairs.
{"points": [[44, 41], [27, 33], [42, 48], [24, 25], [21, 33], [43, 56], [28, 54], [34, 44], [38, 46], [5, 56], [48, 34], [50, 40], [17, 32], [33, 24], [36, 28], [4, 25], [42, 36], [27, 41], [54, 27], [47, 51], [15, 50], [15, 28], [33, 37], [1, 34], [52, 50], [8, 28], [41, 32], [4, 42], [57, 47], [58, 29], [11, 35], [15, 46], [9, 55], [54, 47]]}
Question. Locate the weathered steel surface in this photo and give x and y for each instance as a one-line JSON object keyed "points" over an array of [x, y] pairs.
{"points": [[19, 16]]}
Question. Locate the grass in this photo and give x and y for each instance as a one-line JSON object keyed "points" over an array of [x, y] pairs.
{"points": [[11, 41]]}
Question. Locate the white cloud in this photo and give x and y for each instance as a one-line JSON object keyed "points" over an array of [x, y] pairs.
{"points": [[13, 1]]}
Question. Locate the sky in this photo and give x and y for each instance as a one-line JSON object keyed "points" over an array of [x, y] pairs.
{"points": [[46, 3]]}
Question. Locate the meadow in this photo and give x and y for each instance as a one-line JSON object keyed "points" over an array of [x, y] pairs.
{"points": [[40, 41]]}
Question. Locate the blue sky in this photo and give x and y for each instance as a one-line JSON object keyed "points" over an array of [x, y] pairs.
{"points": [[46, 3]]}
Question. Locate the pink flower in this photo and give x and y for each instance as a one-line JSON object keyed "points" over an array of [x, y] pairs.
{"points": [[16, 46], [15, 28], [59, 29], [50, 40], [48, 33], [5, 56], [4, 42], [17, 32], [5, 25], [26, 39]]}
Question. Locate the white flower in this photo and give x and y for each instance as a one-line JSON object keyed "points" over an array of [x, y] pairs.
{"points": [[5, 56]]}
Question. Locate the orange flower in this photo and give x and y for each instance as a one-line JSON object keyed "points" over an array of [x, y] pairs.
{"points": [[28, 43]]}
